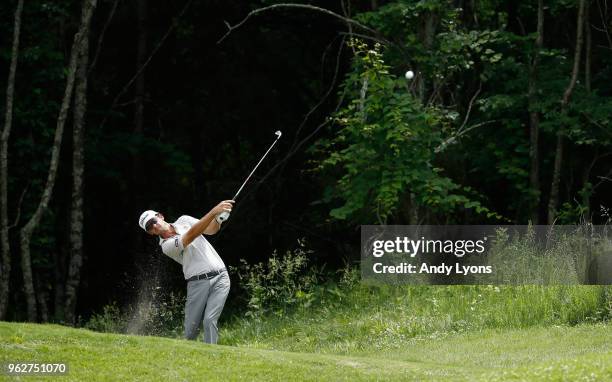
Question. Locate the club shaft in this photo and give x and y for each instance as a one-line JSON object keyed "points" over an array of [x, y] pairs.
{"points": [[257, 165]]}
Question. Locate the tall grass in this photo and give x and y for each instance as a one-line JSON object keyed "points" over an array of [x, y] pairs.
{"points": [[565, 255], [361, 318]]}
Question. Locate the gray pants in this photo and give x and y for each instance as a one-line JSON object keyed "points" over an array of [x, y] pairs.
{"points": [[205, 300]]}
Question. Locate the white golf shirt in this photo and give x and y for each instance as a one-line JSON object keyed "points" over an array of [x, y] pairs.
{"points": [[198, 257]]}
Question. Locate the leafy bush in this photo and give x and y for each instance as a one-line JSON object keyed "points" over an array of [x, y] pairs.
{"points": [[111, 320], [280, 283]]}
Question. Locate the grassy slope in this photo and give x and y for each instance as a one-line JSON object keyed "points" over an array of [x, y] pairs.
{"points": [[554, 353]]}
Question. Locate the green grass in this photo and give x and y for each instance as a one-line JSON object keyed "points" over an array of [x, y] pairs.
{"points": [[390, 318], [561, 353]]}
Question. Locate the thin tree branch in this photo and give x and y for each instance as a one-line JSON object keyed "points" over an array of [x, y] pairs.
{"points": [[579, 41], [452, 139], [521, 26], [231, 28], [365, 37], [437, 89], [460, 130], [603, 179], [296, 146], [126, 103], [603, 47], [101, 38], [598, 157], [144, 65], [324, 55], [346, 10], [594, 122], [604, 24], [470, 105], [325, 96]]}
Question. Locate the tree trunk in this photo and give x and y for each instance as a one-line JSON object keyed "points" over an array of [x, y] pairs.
{"points": [[59, 277], [534, 119], [5, 261], [587, 56], [42, 300], [554, 188], [586, 192], [76, 212], [28, 229], [428, 30], [426, 34], [413, 212], [408, 209]]}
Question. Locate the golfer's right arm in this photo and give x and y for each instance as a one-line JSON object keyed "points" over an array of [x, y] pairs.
{"points": [[198, 228]]}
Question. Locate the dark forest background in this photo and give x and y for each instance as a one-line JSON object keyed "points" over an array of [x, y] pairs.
{"points": [[505, 122]]}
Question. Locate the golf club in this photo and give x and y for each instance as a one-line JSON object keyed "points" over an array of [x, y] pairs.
{"points": [[225, 215]]}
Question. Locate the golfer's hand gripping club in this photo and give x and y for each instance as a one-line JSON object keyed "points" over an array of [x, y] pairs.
{"points": [[223, 209], [223, 216]]}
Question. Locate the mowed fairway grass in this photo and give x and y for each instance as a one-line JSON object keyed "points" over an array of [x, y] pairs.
{"points": [[555, 353]]}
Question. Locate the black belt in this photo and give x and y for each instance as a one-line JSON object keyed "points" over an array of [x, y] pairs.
{"points": [[206, 276]]}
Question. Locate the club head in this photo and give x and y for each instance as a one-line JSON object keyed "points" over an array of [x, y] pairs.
{"points": [[278, 134]]}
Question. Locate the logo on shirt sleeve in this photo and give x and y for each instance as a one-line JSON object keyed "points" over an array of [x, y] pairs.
{"points": [[176, 241]]}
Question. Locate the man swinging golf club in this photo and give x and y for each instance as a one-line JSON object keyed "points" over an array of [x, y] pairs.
{"points": [[208, 283]]}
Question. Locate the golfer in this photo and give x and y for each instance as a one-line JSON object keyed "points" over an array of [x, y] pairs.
{"points": [[207, 280]]}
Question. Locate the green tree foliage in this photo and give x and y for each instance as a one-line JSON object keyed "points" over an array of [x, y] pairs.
{"points": [[459, 132], [384, 147]]}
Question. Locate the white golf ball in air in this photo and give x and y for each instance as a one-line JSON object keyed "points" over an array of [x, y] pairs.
{"points": [[409, 75]]}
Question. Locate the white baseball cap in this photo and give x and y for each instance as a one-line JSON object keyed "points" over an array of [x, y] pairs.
{"points": [[145, 217]]}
